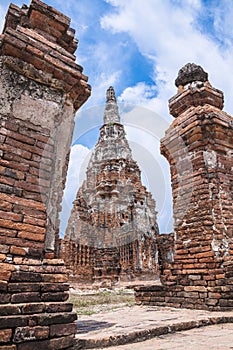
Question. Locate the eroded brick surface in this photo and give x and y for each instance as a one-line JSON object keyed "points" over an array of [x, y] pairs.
{"points": [[198, 146], [41, 88], [112, 230]]}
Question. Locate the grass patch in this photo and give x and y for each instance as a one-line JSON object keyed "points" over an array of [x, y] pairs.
{"points": [[86, 304]]}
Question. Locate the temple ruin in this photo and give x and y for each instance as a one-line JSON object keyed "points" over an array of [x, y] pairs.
{"points": [[197, 262], [112, 229], [41, 89]]}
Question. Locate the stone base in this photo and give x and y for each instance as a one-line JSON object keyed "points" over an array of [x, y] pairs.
{"points": [[33, 311]]}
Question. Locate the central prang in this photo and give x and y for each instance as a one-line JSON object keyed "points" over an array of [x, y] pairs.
{"points": [[112, 230]]}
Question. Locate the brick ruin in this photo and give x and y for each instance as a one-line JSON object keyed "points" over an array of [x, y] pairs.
{"points": [[112, 229], [41, 88], [197, 265]]}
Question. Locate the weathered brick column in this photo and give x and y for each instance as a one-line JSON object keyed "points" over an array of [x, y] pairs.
{"points": [[199, 148], [41, 87]]}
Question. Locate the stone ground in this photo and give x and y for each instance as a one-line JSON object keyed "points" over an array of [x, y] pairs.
{"points": [[216, 337], [169, 327]]}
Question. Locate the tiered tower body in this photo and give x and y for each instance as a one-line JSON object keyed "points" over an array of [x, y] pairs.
{"points": [[112, 228]]}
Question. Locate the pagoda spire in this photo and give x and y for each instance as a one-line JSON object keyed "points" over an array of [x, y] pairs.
{"points": [[111, 204], [112, 143], [110, 94], [111, 113]]}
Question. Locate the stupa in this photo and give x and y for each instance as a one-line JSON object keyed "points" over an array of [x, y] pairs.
{"points": [[112, 229]]}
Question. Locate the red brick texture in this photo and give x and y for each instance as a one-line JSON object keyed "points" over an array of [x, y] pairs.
{"points": [[112, 230], [198, 146], [41, 36], [38, 72]]}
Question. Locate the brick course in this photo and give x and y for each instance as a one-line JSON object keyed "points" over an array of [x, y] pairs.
{"points": [[41, 88], [198, 146], [112, 230]]}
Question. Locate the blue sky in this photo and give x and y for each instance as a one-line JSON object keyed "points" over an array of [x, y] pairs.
{"points": [[138, 46]]}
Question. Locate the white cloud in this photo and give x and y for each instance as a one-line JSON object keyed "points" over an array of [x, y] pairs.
{"points": [[79, 157], [139, 94], [102, 64], [223, 14], [101, 83], [166, 31], [76, 171], [142, 95], [144, 129]]}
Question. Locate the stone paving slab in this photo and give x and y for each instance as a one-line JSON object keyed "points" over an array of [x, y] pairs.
{"points": [[139, 323], [216, 337]]}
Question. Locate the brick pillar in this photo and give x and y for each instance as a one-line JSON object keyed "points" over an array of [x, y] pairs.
{"points": [[198, 146], [41, 88]]}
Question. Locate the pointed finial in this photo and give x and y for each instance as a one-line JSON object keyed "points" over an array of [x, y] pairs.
{"points": [[111, 114], [110, 94]]}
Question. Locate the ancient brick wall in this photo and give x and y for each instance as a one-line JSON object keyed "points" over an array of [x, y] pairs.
{"points": [[41, 88], [112, 229], [199, 147]]}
